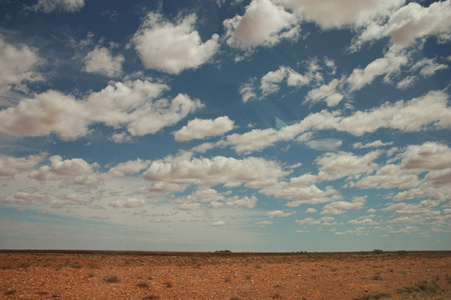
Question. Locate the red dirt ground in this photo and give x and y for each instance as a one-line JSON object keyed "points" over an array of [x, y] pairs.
{"points": [[196, 275]]}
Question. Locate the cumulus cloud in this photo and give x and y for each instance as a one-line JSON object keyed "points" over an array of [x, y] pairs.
{"points": [[308, 222], [264, 23], [10, 166], [346, 163], [412, 22], [60, 168], [129, 167], [101, 61], [340, 207], [421, 113], [279, 214], [388, 65], [428, 156], [324, 144], [172, 48], [184, 169], [17, 65], [128, 203], [199, 129], [131, 104], [389, 177], [327, 92], [352, 13], [48, 6], [375, 144]]}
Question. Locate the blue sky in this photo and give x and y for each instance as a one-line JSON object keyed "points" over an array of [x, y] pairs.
{"points": [[285, 125]]}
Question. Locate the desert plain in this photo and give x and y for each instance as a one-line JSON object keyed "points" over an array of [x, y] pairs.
{"points": [[71, 274]]}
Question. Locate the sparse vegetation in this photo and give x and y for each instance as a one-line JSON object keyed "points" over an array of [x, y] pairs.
{"points": [[112, 279], [151, 297], [10, 291], [142, 284], [428, 287], [378, 251], [372, 296]]}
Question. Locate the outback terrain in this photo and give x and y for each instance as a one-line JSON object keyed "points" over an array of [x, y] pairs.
{"points": [[37, 274]]}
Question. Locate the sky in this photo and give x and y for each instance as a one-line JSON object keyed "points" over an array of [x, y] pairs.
{"points": [[201, 125]]}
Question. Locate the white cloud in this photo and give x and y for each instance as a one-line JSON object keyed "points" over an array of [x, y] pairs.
{"points": [[307, 222], [325, 144], [305, 194], [428, 67], [328, 93], [310, 210], [412, 22], [425, 112], [131, 104], [60, 169], [340, 207], [17, 65], [364, 222], [345, 163], [199, 129], [184, 169], [129, 203], [172, 48], [279, 214], [388, 65], [375, 144], [357, 231], [263, 24], [428, 156], [161, 188], [264, 223], [101, 61], [10, 166], [352, 12], [49, 6], [219, 224], [129, 167], [389, 177], [406, 83]]}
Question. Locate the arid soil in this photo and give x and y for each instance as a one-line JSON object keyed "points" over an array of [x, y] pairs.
{"points": [[193, 275]]}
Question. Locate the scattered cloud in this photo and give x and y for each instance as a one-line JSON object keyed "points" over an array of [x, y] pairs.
{"points": [[101, 61], [200, 129], [48, 6], [172, 48]]}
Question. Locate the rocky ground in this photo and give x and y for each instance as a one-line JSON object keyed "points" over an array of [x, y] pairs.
{"points": [[189, 275]]}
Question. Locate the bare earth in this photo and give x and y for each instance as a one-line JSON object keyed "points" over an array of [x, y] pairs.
{"points": [[195, 275]]}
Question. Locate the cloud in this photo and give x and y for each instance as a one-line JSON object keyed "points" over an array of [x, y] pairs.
{"points": [[263, 24], [327, 93], [199, 129], [129, 203], [129, 167], [11, 166], [131, 104], [279, 214], [60, 169], [425, 112], [347, 163], [412, 22], [17, 65], [364, 222], [172, 48], [301, 194], [270, 83], [219, 224], [428, 67], [388, 65], [375, 144], [352, 13], [428, 156], [100, 61], [307, 222], [340, 207], [389, 177], [264, 223], [324, 144], [48, 6], [231, 172]]}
